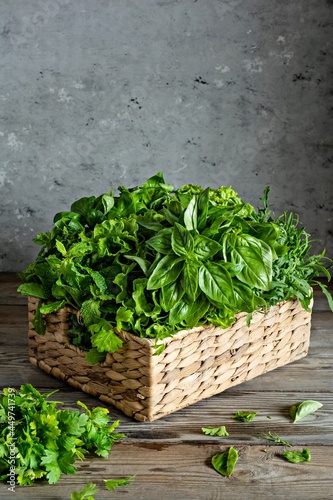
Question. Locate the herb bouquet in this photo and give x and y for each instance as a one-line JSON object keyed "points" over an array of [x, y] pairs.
{"points": [[128, 279]]}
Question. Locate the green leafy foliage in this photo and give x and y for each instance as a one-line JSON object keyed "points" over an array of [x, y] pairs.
{"points": [[301, 410], [155, 260], [215, 431], [224, 463], [295, 457], [275, 438], [49, 440], [86, 493], [112, 484], [245, 416]]}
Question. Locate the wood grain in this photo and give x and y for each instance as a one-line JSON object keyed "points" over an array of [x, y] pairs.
{"points": [[171, 457]]}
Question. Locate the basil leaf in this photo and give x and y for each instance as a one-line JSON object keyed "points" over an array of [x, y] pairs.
{"points": [[166, 271], [224, 463], [198, 310], [215, 282], [301, 410], [245, 416], [180, 312], [181, 240], [296, 457], [190, 278], [256, 258], [161, 242], [171, 294], [191, 215], [205, 248], [215, 431], [244, 297]]}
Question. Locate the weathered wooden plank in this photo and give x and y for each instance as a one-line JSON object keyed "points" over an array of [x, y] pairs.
{"points": [[9, 282], [186, 424], [183, 471]]}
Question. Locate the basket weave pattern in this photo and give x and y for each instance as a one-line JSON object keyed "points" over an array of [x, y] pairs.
{"points": [[194, 365]]}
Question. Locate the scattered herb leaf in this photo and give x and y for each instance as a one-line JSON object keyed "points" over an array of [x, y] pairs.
{"points": [[275, 438], [112, 484], [296, 457], [215, 431], [86, 493], [301, 410], [224, 463], [245, 416]]}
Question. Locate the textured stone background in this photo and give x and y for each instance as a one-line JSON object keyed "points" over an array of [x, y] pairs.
{"points": [[100, 93]]}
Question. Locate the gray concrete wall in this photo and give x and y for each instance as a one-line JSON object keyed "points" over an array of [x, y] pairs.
{"points": [[95, 93]]}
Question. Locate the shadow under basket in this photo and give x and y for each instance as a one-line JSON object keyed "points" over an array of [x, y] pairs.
{"points": [[194, 365]]}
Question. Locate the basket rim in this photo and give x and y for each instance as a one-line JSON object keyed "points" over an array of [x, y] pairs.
{"points": [[179, 335]]}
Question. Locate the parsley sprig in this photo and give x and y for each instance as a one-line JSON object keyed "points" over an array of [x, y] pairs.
{"points": [[48, 440]]}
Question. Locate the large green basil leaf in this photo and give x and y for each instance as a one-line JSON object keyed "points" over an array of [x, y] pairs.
{"points": [[198, 310], [191, 214], [170, 295], [244, 297], [161, 242], [180, 312], [166, 271], [190, 278], [257, 259], [205, 248], [181, 240], [216, 283]]}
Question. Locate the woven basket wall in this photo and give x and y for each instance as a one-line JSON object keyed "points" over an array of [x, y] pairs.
{"points": [[195, 364]]}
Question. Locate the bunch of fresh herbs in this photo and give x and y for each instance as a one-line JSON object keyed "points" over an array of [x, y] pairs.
{"points": [[48, 440], [154, 260]]}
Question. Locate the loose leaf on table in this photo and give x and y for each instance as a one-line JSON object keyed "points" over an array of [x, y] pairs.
{"points": [[275, 438], [296, 457], [245, 416], [112, 484], [86, 493], [300, 410], [215, 431], [224, 463]]}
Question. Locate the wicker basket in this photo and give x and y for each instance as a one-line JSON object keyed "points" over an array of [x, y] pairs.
{"points": [[194, 365]]}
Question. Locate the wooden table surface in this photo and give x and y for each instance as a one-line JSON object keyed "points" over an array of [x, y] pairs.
{"points": [[171, 457]]}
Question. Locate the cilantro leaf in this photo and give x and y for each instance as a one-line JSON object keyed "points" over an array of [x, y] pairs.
{"points": [[215, 431]]}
